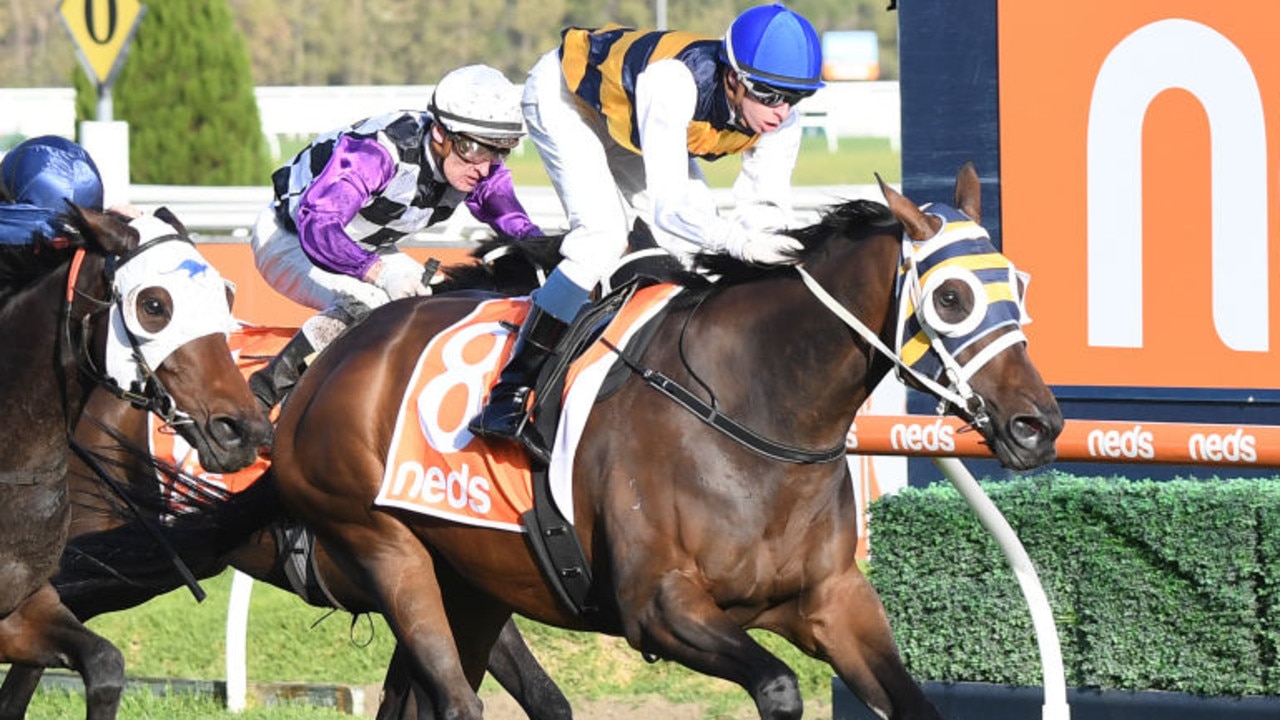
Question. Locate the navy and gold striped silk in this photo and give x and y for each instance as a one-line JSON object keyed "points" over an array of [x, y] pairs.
{"points": [[601, 66]]}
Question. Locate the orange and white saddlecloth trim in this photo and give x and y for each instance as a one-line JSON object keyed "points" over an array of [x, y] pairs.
{"points": [[435, 466]]}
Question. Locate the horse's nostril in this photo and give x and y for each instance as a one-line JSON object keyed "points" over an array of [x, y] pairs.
{"points": [[1027, 430], [227, 430]]}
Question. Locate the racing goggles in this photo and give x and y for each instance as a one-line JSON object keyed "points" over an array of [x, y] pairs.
{"points": [[771, 96], [472, 151]]}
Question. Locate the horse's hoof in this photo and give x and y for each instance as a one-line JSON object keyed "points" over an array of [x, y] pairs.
{"points": [[779, 699]]}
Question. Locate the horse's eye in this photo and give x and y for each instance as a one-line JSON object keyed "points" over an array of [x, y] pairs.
{"points": [[153, 307], [949, 298]]}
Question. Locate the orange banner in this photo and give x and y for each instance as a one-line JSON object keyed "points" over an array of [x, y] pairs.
{"points": [[1139, 188], [1081, 441]]}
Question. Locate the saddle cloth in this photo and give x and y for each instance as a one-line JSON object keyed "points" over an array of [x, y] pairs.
{"points": [[435, 466]]}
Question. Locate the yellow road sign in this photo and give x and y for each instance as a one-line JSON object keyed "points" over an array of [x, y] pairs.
{"points": [[102, 30]]}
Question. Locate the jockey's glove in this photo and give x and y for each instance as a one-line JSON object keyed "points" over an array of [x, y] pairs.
{"points": [[764, 248], [400, 276]]}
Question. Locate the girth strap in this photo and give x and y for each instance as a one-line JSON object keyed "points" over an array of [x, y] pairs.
{"points": [[554, 544], [296, 553]]}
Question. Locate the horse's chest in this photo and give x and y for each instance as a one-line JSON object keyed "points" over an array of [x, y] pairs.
{"points": [[34, 520]]}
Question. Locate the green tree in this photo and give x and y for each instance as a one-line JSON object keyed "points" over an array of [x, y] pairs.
{"points": [[186, 91]]}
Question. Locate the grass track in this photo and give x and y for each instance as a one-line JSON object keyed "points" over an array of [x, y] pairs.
{"points": [[289, 641]]}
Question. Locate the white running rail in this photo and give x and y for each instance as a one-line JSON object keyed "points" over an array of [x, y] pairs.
{"points": [[1055, 684], [231, 211]]}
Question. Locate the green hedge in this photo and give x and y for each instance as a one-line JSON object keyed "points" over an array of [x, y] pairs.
{"points": [[1153, 585]]}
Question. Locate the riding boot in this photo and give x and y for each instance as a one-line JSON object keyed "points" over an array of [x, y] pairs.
{"points": [[272, 383], [505, 415]]}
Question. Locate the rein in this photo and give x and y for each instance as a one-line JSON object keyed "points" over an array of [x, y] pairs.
{"points": [[946, 394], [958, 393], [710, 414]]}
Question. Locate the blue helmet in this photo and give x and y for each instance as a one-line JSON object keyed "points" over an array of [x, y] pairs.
{"points": [[44, 171], [772, 45]]}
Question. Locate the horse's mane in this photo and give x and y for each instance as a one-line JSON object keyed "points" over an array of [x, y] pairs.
{"points": [[213, 519], [154, 498], [22, 265], [503, 264], [511, 266], [849, 220]]}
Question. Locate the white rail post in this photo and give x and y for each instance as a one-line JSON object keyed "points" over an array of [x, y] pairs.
{"points": [[1055, 684], [237, 632]]}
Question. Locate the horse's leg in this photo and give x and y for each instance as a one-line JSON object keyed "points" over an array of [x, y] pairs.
{"points": [[841, 621], [19, 687], [517, 670], [678, 620], [43, 632], [402, 576], [402, 695]]}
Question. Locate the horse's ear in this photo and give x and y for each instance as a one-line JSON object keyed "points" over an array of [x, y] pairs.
{"points": [[915, 223], [167, 215], [230, 288], [641, 237], [106, 230], [969, 192]]}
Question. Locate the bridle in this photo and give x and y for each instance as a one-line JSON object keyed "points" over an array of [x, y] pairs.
{"points": [[147, 391], [926, 347]]}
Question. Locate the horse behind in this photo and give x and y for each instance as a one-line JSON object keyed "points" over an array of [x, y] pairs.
{"points": [[124, 305], [691, 534]]}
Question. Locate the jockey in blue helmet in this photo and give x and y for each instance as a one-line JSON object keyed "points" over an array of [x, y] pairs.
{"points": [[37, 177], [776, 54], [619, 116]]}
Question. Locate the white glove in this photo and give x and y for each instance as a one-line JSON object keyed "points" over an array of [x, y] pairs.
{"points": [[764, 248], [401, 277]]}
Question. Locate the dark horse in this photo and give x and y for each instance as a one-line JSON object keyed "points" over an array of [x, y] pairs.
{"points": [[118, 304], [691, 535], [120, 554]]}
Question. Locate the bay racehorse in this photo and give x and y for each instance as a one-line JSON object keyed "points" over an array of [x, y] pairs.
{"points": [[125, 305], [695, 526], [142, 526]]}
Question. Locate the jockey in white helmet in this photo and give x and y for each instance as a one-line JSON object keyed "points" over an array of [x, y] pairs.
{"points": [[328, 240]]}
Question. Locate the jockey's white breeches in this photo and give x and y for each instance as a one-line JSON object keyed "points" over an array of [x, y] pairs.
{"points": [[280, 260], [600, 183]]}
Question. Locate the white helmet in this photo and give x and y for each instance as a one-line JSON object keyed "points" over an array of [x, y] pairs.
{"points": [[479, 101]]}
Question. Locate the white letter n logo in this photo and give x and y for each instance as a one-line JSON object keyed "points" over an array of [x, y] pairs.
{"points": [[1190, 56]]}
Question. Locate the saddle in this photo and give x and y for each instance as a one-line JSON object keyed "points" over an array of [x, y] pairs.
{"points": [[548, 533]]}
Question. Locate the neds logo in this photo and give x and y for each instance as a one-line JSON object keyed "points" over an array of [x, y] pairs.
{"points": [[433, 486], [1131, 444], [934, 437], [1238, 446], [1194, 57]]}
